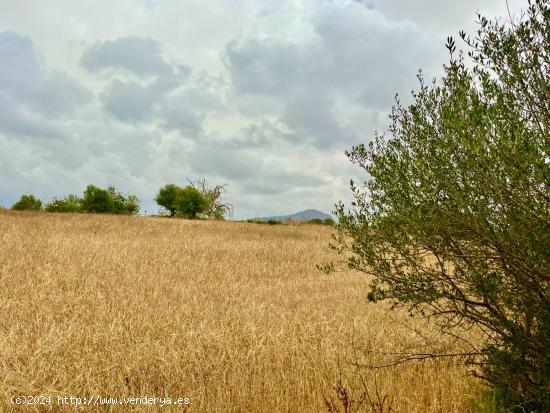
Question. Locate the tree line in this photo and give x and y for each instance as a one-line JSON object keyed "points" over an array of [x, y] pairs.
{"points": [[195, 200]]}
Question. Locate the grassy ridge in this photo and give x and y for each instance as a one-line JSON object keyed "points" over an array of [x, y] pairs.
{"points": [[233, 316]]}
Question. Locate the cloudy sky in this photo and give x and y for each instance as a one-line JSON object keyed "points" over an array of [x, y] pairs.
{"points": [[262, 95]]}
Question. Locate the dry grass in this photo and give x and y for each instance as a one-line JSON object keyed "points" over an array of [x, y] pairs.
{"points": [[233, 316]]}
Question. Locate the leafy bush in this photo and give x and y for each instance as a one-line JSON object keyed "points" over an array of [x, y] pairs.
{"points": [[108, 201], [97, 200], [454, 223], [28, 203], [187, 202], [316, 221], [71, 203], [319, 221], [128, 205], [190, 203], [166, 198]]}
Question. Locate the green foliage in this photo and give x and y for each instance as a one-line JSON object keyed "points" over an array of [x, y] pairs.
{"points": [[319, 221], [71, 203], [190, 203], [96, 199], [28, 203], [167, 198], [128, 205], [108, 201], [454, 222], [264, 222], [316, 221]]}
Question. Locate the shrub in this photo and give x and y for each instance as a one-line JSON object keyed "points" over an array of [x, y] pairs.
{"points": [[316, 221], [71, 203], [97, 200], [187, 202], [454, 222], [190, 203], [28, 203], [108, 201], [319, 221], [166, 198], [128, 205]]}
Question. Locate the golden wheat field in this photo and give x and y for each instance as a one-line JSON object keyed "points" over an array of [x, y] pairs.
{"points": [[233, 316]]}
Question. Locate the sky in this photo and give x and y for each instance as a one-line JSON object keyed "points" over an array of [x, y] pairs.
{"points": [[264, 96]]}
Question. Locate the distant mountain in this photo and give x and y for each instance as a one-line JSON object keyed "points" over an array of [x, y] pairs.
{"points": [[298, 216]]}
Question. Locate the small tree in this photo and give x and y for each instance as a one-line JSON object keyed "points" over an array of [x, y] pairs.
{"points": [[131, 205], [454, 222], [166, 198], [127, 205], [71, 203], [97, 200], [218, 208], [28, 203], [190, 203]]}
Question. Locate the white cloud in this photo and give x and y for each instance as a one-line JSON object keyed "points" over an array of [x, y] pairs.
{"points": [[139, 55]]}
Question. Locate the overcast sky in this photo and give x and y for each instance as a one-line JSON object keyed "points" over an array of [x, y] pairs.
{"points": [[262, 95]]}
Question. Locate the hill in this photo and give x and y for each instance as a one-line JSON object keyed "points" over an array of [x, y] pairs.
{"points": [[301, 216]]}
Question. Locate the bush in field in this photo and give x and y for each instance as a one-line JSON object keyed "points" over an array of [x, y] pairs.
{"points": [[454, 221], [187, 202], [108, 201], [71, 203], [27, 203], [319, 221], [166, 198], [96, 199], [316, 221], [190, 203], [127, 205]]}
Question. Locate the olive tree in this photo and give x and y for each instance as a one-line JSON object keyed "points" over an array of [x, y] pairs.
{"points": [[108, 201], [28, 203], [187, 202], [71, 203], [166, 198], [190, 203], [453, 221]]}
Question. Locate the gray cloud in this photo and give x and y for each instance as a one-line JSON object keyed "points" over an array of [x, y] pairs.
{"points": [[18, 122], [177, 112], [163, 102], [139, 55], [270, 67], [354, 53], [158, 95], [129, 101], [232, 164], [26, 81]]}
